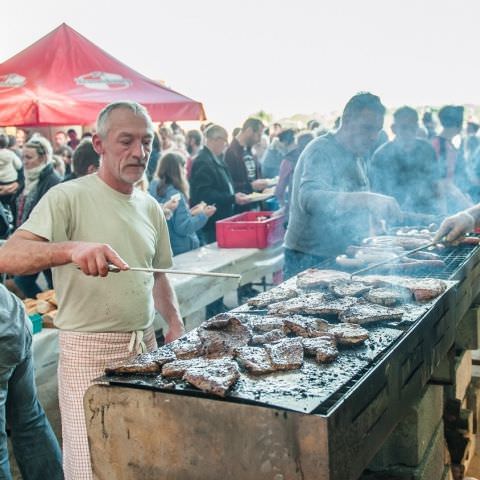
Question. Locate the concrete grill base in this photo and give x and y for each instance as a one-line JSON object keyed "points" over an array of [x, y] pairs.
{"points": [[140, 434]]}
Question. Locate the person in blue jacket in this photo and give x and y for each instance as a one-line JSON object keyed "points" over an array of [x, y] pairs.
{"points": [[171, 182]]}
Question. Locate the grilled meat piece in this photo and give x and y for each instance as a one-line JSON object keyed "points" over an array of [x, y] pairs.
{"points": [[348, 289], [266, 324], [235, 334], [297, 304], [312, 304], [306, 327], [422, 289], [324, 349], [188, 346], [314, 277], [150, 362], [272, 296], [254, 359], [215, 376], [387, 296], [177, 368], [363, 313], [348, 333], [225, 321], [286, 354], [269, 337]]}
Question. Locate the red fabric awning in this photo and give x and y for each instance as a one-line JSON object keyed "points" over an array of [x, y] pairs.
{"points": [[64, 79]]}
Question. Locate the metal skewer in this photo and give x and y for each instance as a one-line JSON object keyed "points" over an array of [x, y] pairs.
{"points": [[391, 260]]}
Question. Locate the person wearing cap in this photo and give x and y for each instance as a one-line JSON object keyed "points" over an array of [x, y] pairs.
{"points": [[453, 182]]}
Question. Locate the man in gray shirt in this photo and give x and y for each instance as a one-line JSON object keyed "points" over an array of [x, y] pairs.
{"points": [[34, 444], [332, 206]]}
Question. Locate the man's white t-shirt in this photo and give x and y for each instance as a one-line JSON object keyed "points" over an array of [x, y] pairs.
{"points": [[88, 210]]}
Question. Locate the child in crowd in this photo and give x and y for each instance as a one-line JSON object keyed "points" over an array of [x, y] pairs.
{"points": [[10, 164]]}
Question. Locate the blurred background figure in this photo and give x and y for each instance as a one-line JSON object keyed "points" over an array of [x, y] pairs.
{"points": [[429, 125], [73, 138], [59, 141], [40, 176], [85, 160], [280, 147], [283, 189], [171, 181], [405, 168], [453, 180]]}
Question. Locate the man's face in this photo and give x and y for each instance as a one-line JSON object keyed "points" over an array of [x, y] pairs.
{"points": [[363, 130], [252, 137], [125, 150], [405, 129], [60, 139], [218, 145]]}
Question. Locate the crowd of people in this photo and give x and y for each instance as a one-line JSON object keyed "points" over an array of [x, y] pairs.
{"points": [[71, 207]]}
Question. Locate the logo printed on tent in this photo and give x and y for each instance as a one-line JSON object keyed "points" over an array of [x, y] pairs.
{"points": [[11, 80], [103, 81]]}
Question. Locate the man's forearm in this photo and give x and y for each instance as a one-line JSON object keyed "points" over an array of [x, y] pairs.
{"points": [[475, 213], [19, 256], [165, 300]]}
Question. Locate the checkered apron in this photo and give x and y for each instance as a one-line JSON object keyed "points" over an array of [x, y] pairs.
{"points": [[83, 357]]}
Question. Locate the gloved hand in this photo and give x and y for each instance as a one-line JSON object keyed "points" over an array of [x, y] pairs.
{"points": [[453, 228]]}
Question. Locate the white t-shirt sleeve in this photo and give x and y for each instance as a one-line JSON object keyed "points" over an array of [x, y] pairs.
{"points": [[50, 218]]}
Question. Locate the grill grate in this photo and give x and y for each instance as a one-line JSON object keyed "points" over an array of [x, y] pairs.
{"points": [[455, 259]]}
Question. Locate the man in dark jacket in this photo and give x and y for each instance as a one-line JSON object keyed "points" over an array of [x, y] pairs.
{"points": [[243, 163], [35, 446], [210, 180]]}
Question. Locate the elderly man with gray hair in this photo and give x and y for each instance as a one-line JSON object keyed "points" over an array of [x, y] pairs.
{"points": [[211, 182], [79, 228]]}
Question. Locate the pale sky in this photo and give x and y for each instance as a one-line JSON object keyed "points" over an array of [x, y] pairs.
{"points": [[284, 57]]}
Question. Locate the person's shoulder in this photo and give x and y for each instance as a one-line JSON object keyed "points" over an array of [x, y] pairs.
{"points": [[384, 150]]}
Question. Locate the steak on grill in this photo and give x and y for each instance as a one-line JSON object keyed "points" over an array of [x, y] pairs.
{"points": [[234, 334], [312, 304], [422, 289], [269, 337], [150, 362], [348, 289], [324, 349], [215, 376], [306, 327], [387, 296], [348, 333], [177, 368], [296, 305], [363, 313], [254, 359], [286, 354], [314, 277], [272, 296], [188, 346], [265, 324]]}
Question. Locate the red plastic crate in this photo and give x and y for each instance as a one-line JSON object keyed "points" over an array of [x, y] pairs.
{"points": [[245, 231]]}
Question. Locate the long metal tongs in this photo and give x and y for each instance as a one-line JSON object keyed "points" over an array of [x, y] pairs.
{"points": [[394, 259], [114, 269]]}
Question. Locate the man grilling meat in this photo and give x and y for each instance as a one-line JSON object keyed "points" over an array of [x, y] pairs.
{"points": [[332, 206]]}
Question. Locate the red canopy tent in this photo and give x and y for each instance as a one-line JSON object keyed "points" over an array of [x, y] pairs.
{"points": [[64, 79]]}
